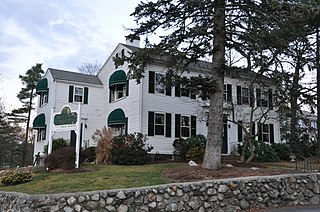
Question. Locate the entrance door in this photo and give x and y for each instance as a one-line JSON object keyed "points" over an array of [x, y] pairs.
{"points": [[224, 148]]}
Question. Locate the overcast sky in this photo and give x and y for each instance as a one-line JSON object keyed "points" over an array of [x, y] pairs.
{"points": [[60, 34]]}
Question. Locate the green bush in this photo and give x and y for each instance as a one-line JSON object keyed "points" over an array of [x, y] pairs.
{"points": [[196, 154], [283, 151], [56, 144], [183, 146], [14, 177], [88, 155], [61, 159], [265, 153], [130, 149]]}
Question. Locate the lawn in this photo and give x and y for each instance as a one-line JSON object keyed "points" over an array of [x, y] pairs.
{"points": [[102, 177]]}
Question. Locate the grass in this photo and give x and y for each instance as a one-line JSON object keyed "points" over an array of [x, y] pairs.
{"points": [[104, 177]]}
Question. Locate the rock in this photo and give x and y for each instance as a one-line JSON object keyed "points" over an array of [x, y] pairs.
{"points": [[192, 163], [223, 188], [71, 201]]}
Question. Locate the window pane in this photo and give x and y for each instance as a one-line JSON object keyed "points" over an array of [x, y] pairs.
{"points": [[185, 121], [185, 132], [159, 118], [159, 130]]}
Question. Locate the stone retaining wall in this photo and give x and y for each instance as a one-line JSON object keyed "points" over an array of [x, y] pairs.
{"points": [[215, 195]]}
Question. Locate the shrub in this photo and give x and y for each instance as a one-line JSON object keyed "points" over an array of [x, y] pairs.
{"points": [[56, 144], [265, 153], [130, 149], [61, 159], [196, 154], [14, 177], [182, 146], [283, 151], [103, 138], [88, 155]]}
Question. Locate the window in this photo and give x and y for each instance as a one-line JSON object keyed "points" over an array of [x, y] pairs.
{"points": [[118, 129], [266, 133], [185, 126], [41, 134], [117, 91], [159, 124], [78, 94], [159, 83], [43, 99], [227, 95], [264, 98], [245, 96]]}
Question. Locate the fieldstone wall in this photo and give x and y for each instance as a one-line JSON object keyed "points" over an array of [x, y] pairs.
{"points": [[227, 195]]}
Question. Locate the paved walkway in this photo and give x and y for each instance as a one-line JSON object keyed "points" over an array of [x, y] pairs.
{"points": [[295, 209]]}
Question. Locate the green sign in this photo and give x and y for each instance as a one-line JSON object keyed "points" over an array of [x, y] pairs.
{"points": [[66, 117]]}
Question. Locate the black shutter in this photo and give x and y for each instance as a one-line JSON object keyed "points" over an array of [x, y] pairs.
{"points": [[193, 126], [71, 93], [127, 88], [168, 84], [240, 134], [253, 132], [271, 131], [168, 125], [258, 91], [270, 99], [251, 95], [177, 125], [126, 127], [239, 95], [229, 93], [259, 132], [151, 123], [177, 92], [86, 93], [151, 81], [109, 95]]}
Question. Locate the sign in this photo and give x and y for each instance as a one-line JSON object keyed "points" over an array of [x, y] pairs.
{"points": [[66, 120]]}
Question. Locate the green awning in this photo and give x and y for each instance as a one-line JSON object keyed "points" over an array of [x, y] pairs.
{"points": [[117, 117], [118, 77], [42, 86], [39, 121]]}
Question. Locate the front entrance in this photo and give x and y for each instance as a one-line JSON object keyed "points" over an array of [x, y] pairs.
{"points": [[224, 148]]}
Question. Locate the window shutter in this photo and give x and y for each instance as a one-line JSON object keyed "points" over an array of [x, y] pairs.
{"points": [[109, 95], [193, 126], [151, 123], [177, 90], [239, 95], [240, 134], [259, 132], [271, 130], [86, 92], [127, 88], [229, 93], [251, 95], [151, 81], [270, 99], [168, 84], [168, 125], [71, 93], [177, 125], [258, 91]]}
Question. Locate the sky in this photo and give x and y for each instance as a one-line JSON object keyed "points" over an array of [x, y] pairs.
{"points": [[61, 34]]}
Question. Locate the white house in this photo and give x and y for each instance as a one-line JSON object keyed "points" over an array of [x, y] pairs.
{"points": [[162, 113]]}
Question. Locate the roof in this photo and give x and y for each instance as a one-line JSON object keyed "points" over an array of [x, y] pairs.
{"points": [[233, 72], [74, 76]]}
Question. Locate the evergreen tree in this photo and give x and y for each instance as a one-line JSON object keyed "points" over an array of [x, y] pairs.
{"points": [[26, 96]]}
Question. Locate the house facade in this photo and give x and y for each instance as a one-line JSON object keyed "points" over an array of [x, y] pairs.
{"points": [[161, 112]]}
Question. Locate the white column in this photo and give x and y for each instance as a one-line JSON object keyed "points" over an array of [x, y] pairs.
{"points": [[78, 135], [51, 131]]}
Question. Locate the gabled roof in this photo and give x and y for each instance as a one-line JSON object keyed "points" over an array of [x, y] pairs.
{"points": [[74, 76]]}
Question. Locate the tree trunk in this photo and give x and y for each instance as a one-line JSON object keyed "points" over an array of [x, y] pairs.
{"points": [[24, 146], [212, 157], [318, 85]]}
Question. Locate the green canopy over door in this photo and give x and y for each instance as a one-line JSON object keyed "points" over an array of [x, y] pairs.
{"points": [[116, 117]]}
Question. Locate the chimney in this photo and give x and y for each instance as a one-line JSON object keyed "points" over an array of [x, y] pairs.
{"points": [[133, 40]]}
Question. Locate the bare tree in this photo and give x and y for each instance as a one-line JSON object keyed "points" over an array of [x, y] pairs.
{"points": [[89, 68]]}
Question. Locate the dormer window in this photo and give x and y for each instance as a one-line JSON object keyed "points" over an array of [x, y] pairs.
{"points": [[118, 86]]}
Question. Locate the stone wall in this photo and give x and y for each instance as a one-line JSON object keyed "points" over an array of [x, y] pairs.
{"points": [[215, 195]]}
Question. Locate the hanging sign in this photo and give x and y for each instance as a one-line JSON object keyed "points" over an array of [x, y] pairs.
{"points": [[66, 120]]}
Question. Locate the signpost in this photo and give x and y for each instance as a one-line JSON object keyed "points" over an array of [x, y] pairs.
{"points": [[65, 121]]}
